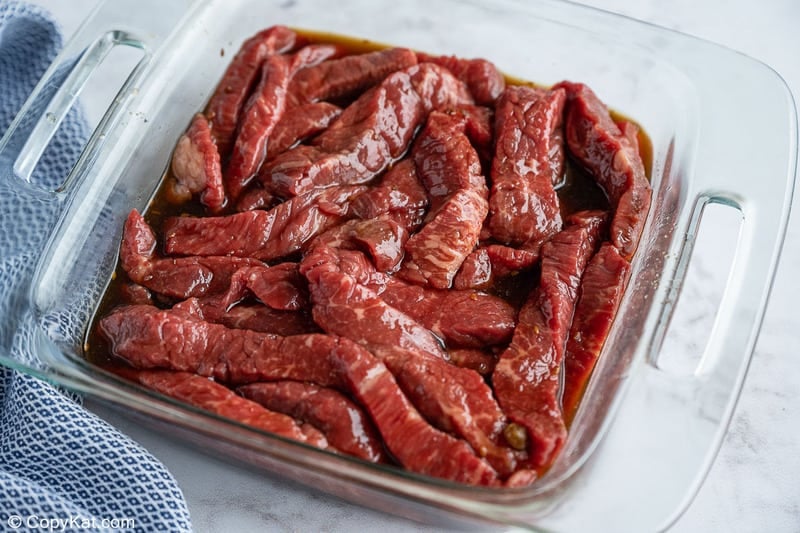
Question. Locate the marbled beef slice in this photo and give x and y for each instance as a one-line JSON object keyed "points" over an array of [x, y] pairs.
{"points": [[343, 423], [181, 277], [526, 377], [371, 133], [613, 159], [523, 205]]}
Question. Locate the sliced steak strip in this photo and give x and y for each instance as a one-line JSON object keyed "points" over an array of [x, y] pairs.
{"points": [[485, 82], [526, 378], [263, 111], [369, 135], [251, 316], [176, 278], [411, 440], [454, 399], [226, 103], [280, 287], [602, 287], [300, 123], [343, 423], [259, 117], [399, 194], [133, 293], [344, 307], [349, 75], [196, 167], [523, 206], [464, 319], [487, 264], [382, 237], [266, 235], [450, 170], [613, 159], [149, 338], [210, 396]]}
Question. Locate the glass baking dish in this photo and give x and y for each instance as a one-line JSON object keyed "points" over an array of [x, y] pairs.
{"points": [[643, 434]]}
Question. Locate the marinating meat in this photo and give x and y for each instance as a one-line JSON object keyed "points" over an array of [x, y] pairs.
{"points": [[265, 235], [614, 161], [523, 206], [206, 394], [149, 338], [399, 194], [526, 377], [353, 74], [385, 254], [176, 278], [485, 82], [226, 103], [369, 135], [601, 291], [343, 423], [196, 167], [449, 167], [300, 123]]}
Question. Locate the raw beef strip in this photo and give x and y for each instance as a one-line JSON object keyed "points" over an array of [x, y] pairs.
{"points": [[526, 377], [263, 111], [399, 194], [206, 394], [266, 235], [523, 206], [487, 264], [479, 127], [255, 317], [280, 287], [344, 307], [449, 168], [411, 440], [147, 337], [382, 237], [227, 101], [343, 423], [348, 75], [613, 159], [601, 291], [453, 399], [259, 117], [196, 167], [300, 123], [485, 82], [369, 135], [467, 318], [176, 278]]}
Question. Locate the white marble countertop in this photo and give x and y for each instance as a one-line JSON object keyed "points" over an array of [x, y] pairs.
{"points": [[753, 484]]}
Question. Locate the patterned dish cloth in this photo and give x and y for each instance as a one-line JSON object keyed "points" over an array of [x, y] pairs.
{"points": [[61, 467]]}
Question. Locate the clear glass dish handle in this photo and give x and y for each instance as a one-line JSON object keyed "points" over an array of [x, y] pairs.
{"points": [[112, 23], [29, 210]]}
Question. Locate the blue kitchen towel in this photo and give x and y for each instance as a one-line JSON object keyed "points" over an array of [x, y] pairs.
{"points": [[61, 467]]}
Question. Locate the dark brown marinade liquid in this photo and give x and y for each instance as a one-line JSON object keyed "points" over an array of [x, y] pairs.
{"points": [[577, 191]]}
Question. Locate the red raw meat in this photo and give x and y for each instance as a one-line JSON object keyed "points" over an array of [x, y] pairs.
{"points": [[343, 423], [196, 167], [526, 377], [613, 159]]}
